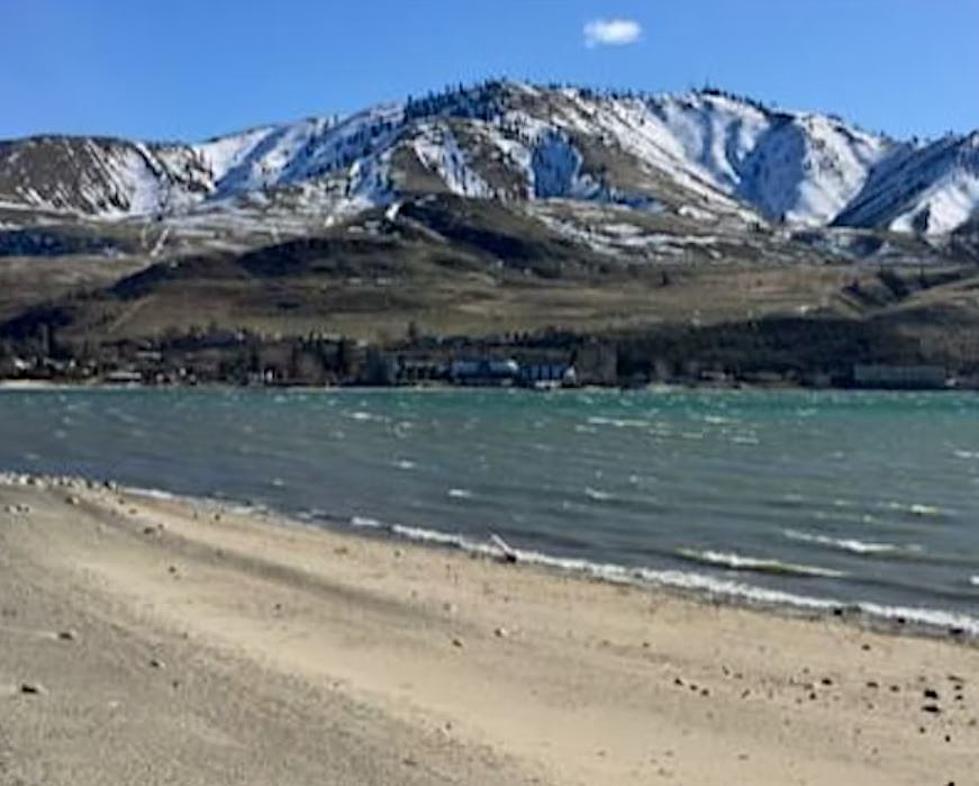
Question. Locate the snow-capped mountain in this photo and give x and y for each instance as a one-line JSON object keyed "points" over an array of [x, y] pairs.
{"points": [[704, 153]]}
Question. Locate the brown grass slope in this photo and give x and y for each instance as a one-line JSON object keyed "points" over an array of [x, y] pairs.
{"points": [[455, 266]]}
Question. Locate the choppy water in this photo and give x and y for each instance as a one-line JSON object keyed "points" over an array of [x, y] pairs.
{"points": [[807, 498]]}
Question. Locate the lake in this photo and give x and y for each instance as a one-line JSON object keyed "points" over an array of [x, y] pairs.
{"points": [[807, 498]]}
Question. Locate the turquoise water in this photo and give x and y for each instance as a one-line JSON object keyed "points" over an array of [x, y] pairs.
{"points": [[798, 497]]}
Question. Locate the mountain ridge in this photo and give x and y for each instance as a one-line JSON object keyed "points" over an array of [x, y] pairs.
{"points": [[704, 152]]}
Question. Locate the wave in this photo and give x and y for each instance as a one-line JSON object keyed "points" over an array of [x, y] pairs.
{"points": [[701, 584], [365, 417], [597, 495], [852, 545], [460, 493], [740, 562], [618, 422], [915, 509], [688, 581]]}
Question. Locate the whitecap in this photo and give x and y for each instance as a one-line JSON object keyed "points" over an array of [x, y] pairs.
{"points": [[741, 562], [915, 508], [849, 544], [597, 494], [618, 422], [460, 493]]}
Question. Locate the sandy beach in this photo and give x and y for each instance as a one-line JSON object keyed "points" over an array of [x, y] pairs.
{"points": [[153, 641]]}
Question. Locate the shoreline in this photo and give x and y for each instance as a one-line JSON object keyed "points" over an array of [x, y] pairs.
{"points": [[450, 668], [92, 385], [689, 586]]}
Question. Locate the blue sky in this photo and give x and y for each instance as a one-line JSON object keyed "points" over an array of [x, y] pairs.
{"points": [[168, 69]]}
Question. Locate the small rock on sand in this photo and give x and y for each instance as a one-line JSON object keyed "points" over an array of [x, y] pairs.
{"points": [[67, 635], [32, 688]]}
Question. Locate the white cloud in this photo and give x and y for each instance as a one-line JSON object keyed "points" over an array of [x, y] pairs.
{"points": [[611, 32]]}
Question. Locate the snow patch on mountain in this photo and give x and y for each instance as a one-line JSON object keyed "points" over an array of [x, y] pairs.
{"points": [[222, 154], [800, 168], [555, 170], [289, 154], [438, 150]]}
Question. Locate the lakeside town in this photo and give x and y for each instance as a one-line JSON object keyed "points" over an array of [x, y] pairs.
{"points": [[542, 361]]}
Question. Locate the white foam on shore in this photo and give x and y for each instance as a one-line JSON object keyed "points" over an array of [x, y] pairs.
{"points": [[741, 562], [703, 584], [365, 522], [149, 493], [851, 544]]}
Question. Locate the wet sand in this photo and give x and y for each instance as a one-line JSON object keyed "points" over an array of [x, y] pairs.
{"points": [[151, 641]]}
